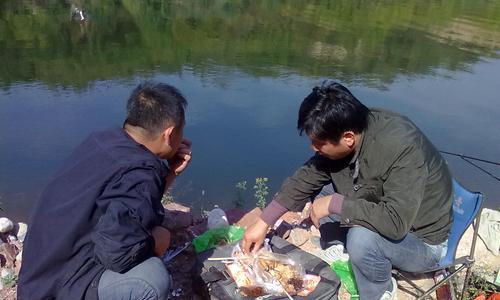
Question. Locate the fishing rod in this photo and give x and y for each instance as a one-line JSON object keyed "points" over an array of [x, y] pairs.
{"points": [[469, 158]]}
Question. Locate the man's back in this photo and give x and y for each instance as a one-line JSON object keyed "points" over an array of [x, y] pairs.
{"points": [[61, 258]]}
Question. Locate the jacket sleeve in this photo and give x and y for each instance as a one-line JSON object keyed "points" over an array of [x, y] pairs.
{"points": [[305, 184], [395, 211], [122, 236]]}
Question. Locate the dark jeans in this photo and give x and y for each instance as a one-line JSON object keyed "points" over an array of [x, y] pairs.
{"points": [[373, 256], [147, 281]]}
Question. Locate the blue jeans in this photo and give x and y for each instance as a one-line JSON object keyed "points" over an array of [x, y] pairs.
{"points": [[148, 280], [373, 257]]}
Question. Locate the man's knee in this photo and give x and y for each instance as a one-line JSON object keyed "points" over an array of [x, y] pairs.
{"points": [[156, 275], [362, 243], [363, 247], [147, 281]]}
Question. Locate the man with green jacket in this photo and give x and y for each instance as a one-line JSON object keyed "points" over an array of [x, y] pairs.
{"points": [[391, 188]]}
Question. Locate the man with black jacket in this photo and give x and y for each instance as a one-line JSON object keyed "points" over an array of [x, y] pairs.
{"points": [[391, 188], [95, 232]]}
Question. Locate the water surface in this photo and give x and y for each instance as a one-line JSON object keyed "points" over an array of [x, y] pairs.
{"points": [[244, 66]]}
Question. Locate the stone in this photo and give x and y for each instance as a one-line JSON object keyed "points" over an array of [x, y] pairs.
{"points": [[177, 216], [174, 206], [282, 229], [19, 256], [8, 252], [6, 225], [298, 236], [6, 272], [199, 228], [234, 215], [306, 210], [21, 230]]}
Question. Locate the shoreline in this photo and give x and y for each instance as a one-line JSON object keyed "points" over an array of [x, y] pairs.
{"points": [[294, 227]]}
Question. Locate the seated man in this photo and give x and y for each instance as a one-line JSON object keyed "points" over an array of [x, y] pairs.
{"points": [[95, 232], [392, 188]]}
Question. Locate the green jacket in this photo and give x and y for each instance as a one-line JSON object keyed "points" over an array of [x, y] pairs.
{"points": [[396, 182]]}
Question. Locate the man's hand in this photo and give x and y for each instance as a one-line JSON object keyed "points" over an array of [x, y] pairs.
{"points": [[254, 236], [161, 236], [182, 157], [320, 209]]}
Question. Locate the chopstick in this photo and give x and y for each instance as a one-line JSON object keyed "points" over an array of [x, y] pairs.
{"points": [[284, 290], [227, 258], [288, 295]]}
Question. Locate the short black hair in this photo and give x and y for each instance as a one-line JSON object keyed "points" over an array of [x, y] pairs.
{"points": [[330, 110], [154, 106]]}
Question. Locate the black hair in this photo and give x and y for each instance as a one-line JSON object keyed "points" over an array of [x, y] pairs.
{"points": [[329, 111], [154, 106]]}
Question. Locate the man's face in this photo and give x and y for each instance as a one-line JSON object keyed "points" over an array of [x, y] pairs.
{"points": [[332, 150]]}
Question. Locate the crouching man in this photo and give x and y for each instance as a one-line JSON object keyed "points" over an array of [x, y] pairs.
{"points": [[95, 232], [391, 188]]}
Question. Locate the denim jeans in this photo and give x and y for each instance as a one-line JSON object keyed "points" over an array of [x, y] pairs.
{"points": [[373, 256], [148, 280]]}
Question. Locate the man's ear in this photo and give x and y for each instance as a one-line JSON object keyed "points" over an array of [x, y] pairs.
{"points": [[349, 138], [167, 134]]}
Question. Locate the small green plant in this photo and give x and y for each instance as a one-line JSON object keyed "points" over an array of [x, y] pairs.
{"points": [[479, 286], [167, 198], [241, 187], [261, 191], [9, 281]]}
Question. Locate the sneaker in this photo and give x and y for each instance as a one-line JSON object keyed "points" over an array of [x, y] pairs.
{"points": [[391, 295]]}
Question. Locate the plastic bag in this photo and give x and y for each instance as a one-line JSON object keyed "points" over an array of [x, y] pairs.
{"points": [[268, 273], [277, 272], [343, 270], [213, 237]]}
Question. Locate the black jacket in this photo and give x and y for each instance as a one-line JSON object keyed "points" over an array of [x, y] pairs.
{"points": [[395, 183], [96, 214]]}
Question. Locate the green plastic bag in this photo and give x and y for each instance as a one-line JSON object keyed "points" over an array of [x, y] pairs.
{"points": [[212, 237], [343, 270]]}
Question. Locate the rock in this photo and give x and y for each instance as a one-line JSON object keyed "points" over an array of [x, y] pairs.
{"points": [[177, 216], [173, 206], [6, 225], [21, 230], [306, 210], [234, 215], [19, 256], [8, 252], [6, 272], [181, 267], [283, 229], [199, 228], [298, 236]]}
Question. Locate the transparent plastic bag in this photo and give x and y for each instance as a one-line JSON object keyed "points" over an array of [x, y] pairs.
{"points": [[268, 273], [277, 272]]}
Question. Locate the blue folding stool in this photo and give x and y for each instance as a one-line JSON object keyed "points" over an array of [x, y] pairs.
{"points": [[466, 211]]}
